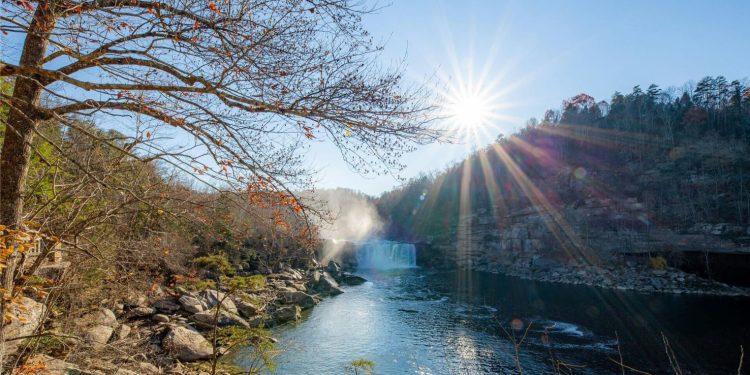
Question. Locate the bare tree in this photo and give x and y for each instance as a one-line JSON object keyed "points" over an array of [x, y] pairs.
{"points": [[238, 86], [227, 92]]}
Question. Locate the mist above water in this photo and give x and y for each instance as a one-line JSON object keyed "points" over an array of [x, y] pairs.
{"points": [[353, 218]]}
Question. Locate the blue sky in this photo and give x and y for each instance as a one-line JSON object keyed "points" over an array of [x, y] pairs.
{"points": [[538, 53], [531, 55]]}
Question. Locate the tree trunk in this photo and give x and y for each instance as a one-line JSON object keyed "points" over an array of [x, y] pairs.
{"points": [[22, 120], [19, 132]]}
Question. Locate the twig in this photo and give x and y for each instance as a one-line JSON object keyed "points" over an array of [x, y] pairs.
{"points": [[624, 366], [619, 353], [742, 357]]}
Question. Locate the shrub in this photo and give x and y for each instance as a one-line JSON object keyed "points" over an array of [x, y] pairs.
{"points": [[216, 263], [658, 262]]}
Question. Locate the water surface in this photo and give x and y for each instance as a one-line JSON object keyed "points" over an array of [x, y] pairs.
{"points": [[417, 321]]}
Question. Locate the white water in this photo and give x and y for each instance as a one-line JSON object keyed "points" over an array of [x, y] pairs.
{"points": [[386, 255]]}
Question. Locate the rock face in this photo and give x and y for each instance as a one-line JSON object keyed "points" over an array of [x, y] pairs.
{"points": [[186, 344]]}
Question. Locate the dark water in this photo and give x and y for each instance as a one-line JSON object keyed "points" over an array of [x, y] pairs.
{"points": [[423, 322]]}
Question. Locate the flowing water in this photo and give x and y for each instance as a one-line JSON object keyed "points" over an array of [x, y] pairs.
{"points": [[382, 255], [416, 321]]}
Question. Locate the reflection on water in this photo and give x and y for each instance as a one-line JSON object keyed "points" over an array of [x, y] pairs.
{"points": [[422, 322]]}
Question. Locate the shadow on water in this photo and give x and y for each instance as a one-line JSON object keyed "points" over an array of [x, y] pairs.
{"points": [[422, 322]]}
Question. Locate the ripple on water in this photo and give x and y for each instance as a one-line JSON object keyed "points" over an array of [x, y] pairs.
{"points": [[412, 323]]}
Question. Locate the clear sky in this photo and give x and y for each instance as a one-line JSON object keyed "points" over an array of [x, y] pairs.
{"points": [[534, 54]]}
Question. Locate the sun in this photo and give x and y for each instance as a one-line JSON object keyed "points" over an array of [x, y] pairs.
{"points": [[469, 111]]}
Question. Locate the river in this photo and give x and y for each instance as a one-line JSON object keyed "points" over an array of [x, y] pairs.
{"points": [[418, 321]]}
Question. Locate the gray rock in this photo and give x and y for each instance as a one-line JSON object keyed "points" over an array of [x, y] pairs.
{"points": [[53, 366], [212, 297], [256, 321], [191, 304], [134, 300], [161, 318], [316, 276], [186, 344], [205, 319], [328, 285], [334, 269], [168, 306], [350, 279], [141, 311], [285, 314], [122, 332], [247, 309], [98, 335], [99, 316], [301, 299], [28, 315]]}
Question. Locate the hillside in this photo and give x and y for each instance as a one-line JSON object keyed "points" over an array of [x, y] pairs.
{"points": [[647, 180]]}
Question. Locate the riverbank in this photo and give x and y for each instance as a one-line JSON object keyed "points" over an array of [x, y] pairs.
{"points": [[171, 328], [628, 277]]}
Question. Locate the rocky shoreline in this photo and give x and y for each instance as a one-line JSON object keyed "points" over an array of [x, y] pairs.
{"points": [[169, 330], [629, 277]]}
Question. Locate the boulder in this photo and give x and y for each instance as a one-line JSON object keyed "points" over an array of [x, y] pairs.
{"points": [[205, 319], [350, 279], [334, 269], [192, 304], [186, 344], [285, 314], [328, 285], [212, 297], [98, 335], [301, 299], [99, 316], [27, 315], [98, 326], [168, 306], [248, 309]]}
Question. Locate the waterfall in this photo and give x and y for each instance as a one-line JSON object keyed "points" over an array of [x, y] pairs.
{"points": [[386, 255]]}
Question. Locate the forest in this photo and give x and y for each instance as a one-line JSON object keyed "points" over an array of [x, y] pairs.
{"points": [[692, 140]]}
